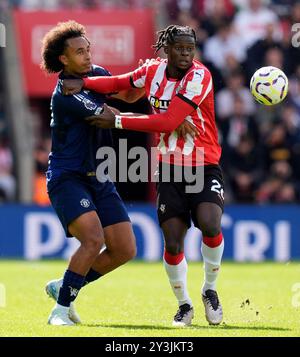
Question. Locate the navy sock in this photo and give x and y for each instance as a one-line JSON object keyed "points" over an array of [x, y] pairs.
{"points": [[92, 275], [72, 283]]}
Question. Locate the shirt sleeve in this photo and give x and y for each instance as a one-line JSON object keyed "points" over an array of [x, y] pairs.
{"points": [[196, 87], [159, 123], [138, 76], [80, 106], [100, 71]]}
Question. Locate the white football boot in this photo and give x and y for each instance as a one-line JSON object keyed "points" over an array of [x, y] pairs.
{"points": [[52, 290], [213, 307], [60, 317], [183, 316]]}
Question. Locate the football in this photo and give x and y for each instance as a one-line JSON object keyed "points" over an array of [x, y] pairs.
{"points": [[269, 85]]}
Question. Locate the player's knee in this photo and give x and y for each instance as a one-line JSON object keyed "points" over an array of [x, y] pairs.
{"points": [[209, 226], [129, 252], [93, 244], [211, 230], [173, 248], [133, 252]]}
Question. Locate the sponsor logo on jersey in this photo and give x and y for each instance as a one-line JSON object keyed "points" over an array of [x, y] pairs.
{"points": [[159, 103]]}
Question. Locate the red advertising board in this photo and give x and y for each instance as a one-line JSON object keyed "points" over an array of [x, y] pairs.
{"points": [[118, 39]]}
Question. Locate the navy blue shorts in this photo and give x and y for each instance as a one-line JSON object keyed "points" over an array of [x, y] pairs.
{"points": [[72, 195]]}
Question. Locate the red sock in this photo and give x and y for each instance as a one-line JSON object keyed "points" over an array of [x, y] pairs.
{"points": [[173, 259], [213, 242]]}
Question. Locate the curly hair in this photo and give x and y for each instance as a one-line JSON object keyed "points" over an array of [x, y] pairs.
{"points": [[54, 44], [166, 36]]}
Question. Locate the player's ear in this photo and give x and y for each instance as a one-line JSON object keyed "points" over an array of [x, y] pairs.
{"points": [[166, 50], [63, 59]]}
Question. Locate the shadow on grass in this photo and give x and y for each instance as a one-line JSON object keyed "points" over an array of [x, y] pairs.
{"points": [[233, 327], [192, 327], [132, 327]]}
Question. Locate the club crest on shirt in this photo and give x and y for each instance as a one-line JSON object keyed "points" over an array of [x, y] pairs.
{"points": [[89, 104], [194, 87]]}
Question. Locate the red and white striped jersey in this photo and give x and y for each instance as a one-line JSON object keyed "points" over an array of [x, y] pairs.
{"points": [[196, 88]]}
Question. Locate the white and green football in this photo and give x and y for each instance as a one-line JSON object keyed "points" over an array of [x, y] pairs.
{"points": [[269, 85]]}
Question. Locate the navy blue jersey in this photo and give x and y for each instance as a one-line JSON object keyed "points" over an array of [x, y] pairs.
{"points": [[74, 141]]}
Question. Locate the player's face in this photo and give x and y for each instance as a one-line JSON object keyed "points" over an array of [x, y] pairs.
{"points": [[77, 56], [181, 53]]}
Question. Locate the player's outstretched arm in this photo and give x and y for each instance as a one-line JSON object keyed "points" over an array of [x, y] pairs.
{"points": [[156, 123], [130, 95], [119, 85], [100, 84]]}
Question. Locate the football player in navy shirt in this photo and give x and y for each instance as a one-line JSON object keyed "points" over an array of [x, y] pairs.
{"points": [[89, 210]]}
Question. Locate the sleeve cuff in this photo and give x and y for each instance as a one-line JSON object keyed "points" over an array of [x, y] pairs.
{"points": [[118, 122]]}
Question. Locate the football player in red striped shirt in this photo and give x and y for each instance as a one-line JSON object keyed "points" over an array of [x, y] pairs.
{"points": [[179, 88]]}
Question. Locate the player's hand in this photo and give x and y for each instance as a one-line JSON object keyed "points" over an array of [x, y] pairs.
{"points": [[105, 120], [187, 128], [72, 86], [114, 110]]}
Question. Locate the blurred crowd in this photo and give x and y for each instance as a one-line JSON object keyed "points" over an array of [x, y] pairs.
{"points": [[49, 5], [261, 145], [7, 177]]}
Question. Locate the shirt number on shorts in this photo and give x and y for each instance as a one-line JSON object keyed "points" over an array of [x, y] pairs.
{"points": [[217, 187]]}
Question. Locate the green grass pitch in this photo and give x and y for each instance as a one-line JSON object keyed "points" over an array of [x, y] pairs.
{"points": [[135, 300]]}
